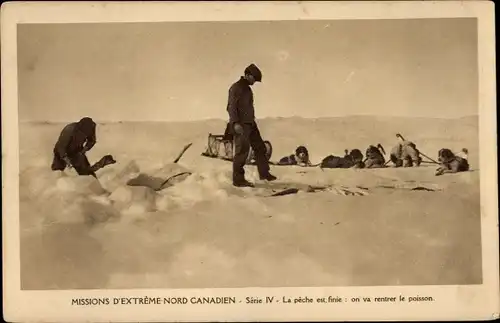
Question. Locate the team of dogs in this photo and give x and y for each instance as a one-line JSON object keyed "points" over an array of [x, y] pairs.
{"points": [[404, 154], [448, 161]]}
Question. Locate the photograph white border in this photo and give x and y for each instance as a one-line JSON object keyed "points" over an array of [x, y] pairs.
{"points": [[451, 302]]}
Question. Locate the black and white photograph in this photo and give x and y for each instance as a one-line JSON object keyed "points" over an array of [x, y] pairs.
{"points": [[250, 153]]}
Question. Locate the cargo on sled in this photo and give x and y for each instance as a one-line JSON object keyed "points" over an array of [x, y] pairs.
{"points": [[222, 147]]}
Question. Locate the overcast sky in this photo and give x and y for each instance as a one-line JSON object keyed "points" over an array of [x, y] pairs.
{"points": [[182, 71]]}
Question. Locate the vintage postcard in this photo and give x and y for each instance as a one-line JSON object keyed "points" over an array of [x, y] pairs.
{"points": [[249, 161]]}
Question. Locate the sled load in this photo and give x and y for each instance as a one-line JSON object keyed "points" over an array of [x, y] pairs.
{"points": [[222, 147]]}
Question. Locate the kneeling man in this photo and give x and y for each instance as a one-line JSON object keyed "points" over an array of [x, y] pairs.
{"points": [[74, 141]]}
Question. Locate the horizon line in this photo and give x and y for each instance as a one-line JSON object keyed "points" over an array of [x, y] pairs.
{"points": [[258, 119]]}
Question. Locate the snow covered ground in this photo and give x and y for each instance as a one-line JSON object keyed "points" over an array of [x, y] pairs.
{"points": [[78, 232]]}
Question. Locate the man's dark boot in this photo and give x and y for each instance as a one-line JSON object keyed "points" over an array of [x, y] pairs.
{"points": [[242, 183], [268, 177]]}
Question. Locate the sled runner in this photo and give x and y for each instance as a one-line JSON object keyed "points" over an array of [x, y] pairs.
{"points": [[222, 147]]}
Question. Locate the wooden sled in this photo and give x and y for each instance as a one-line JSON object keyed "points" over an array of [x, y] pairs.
{"points": [[222, 147]]}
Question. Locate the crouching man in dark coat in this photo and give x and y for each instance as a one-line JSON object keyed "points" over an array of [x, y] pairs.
{"points": [[245, 132], [74, 141]]}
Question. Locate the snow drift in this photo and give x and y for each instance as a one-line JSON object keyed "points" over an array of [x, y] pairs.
{"points": [[199, 231]]}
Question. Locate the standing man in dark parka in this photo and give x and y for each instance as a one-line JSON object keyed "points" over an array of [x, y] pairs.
{"points": [[242, 124]]}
